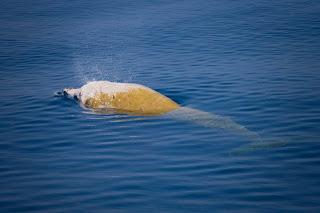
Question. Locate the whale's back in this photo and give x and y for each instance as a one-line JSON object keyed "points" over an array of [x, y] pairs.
{"points": [[126, 98]]}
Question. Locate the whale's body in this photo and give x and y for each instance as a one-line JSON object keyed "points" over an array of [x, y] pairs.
{"points": [[136, 99], [122, 97]]}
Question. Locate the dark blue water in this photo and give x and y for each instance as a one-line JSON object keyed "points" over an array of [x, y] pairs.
{"points": [[257, 62]]}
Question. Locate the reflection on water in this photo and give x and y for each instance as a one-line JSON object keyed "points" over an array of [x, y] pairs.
{"points": [[253, 62]]}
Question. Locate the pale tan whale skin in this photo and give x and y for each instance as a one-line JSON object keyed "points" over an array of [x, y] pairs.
{"points": [[123, 97]]}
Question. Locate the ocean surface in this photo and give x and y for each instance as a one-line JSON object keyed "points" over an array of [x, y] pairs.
{"points": [[256, 62]]}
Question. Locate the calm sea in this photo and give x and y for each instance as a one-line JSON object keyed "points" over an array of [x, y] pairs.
{"points": [[256, 62]]}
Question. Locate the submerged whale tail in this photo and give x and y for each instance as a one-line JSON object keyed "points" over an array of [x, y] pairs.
{"points": [[213, 121], [216, 121]]}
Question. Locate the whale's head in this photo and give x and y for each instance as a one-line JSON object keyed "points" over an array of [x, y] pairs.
{"points": [[71, 93]]}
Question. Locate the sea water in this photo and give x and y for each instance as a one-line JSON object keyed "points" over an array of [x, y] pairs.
{"points": [[255, 62]]}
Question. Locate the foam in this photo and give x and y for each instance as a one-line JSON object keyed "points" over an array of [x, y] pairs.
{"points": [[91, 89]]}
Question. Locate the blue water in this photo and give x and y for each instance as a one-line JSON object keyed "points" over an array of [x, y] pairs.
{"points": [[256, 62]]}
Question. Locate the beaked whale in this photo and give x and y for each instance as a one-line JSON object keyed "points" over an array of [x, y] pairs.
{"points": [[136, 99]]}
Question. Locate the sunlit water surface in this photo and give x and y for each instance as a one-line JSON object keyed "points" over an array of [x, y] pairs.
{"points": [[256, 62]]}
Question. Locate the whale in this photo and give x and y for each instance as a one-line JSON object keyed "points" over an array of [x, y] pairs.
{"points": [[139, 100]]}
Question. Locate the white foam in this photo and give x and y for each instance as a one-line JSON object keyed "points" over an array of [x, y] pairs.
{"points": [[93, 88]]}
